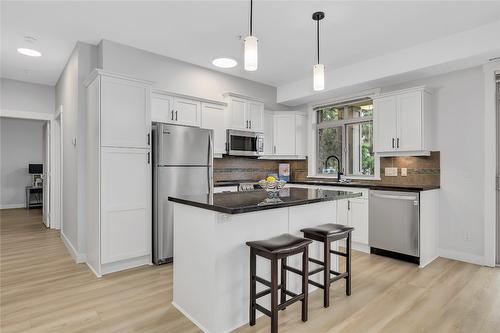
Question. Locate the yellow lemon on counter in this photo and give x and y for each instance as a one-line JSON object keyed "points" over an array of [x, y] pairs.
{"points": [[270, 179]]}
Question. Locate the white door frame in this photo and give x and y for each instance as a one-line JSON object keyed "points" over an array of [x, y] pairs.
{"points": [[56, 198], [47, 171], [490, 162], [55, 192]]}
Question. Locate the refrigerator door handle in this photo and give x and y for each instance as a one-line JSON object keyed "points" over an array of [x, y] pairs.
{"points": [[210, 162]]}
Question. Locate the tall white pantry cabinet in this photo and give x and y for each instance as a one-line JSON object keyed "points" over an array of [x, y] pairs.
{"points": [[118, 171]]}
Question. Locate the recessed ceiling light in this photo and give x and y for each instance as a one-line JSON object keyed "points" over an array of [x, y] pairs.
{"points": [[224, 62], [29, 52]]}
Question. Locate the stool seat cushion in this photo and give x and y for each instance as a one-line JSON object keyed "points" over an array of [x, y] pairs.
{"points": [[329, 229], [280, 244]]}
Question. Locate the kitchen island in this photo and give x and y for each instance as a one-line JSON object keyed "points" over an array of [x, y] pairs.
{"points": [[211, 260]]}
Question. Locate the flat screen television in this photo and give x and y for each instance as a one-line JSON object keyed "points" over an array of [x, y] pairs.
{"points": [[35, 168]]}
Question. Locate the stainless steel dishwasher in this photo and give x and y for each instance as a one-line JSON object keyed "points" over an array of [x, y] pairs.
{"points": [[394, 225]]}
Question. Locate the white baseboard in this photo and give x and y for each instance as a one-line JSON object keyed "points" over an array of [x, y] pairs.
{"points": [[463, 256], [13, 206], [184, 312], [77, 257]]}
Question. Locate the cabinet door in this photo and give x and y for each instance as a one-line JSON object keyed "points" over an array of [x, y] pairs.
{"points": [[300, 135], [212, 117], [268, 133], [358, 219], [284, 135], [237, 114], [410, 121], [125, 204], [187, 112], [162, 108], [342, 215], [255, 115], [385, 121], [125, 116]]}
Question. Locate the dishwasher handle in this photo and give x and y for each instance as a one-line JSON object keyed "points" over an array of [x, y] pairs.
{"points": [[395, 197]]}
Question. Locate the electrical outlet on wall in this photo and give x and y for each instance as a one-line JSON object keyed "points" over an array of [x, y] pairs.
{"points": [[404, 172], [391, 172]]}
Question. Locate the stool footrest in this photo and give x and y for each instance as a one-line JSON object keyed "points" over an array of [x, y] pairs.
{"points": [[261, 280], [316, 284], [316, 261], [293, 270], [316, 271], [268, 291], [342, 254], [263, 310], [338, 277], [290, 301]]}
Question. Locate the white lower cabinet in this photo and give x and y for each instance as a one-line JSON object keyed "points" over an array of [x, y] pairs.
{"points": [[125, 204]]}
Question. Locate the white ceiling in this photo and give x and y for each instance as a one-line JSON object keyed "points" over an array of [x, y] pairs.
{"points": [[198, 31]]}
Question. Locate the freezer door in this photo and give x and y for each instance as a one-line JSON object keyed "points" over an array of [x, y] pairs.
{"points": [[182, 145], [394, 222], [172, 181]]}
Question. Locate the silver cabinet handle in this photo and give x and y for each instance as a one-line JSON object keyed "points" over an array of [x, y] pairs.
{"points": [[176, 115], [348, 204], [148, 158], [250, 124], [392, 142], [149, 140], [398, 143], [172, 115], [274, 149]]}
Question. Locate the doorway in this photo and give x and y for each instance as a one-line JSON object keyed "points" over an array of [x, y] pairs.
{"points": [[498, 168]]}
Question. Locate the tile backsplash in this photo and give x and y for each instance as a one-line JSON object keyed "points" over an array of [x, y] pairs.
{"points": [[421, 170]]}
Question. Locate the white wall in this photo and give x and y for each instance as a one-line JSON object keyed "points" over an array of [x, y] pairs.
{"points": [[26, 97], [21, 144], [70, 93], [458, 120], [180, 77]]}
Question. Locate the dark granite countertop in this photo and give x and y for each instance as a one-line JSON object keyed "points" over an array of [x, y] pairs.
{"points": [[252, 201], [369, 185], [372, 186]]}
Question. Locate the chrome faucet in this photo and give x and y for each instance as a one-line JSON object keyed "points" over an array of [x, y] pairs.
{"points": [[339, 171]]}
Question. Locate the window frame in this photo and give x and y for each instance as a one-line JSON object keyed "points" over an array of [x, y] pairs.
{"points": [[313, 163]]}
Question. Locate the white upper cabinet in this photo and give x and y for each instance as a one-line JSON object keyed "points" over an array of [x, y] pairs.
{"points": [[402, 122], [125, 117], [212, 117], [385, 116], [300, 135], [244, 113], [175, 109], [284, 134], [187, 112], [268, 133], [236, 114], [255, 115], [162, 110]]}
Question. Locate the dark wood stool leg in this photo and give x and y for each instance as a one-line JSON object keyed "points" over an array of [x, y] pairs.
{"points": [[326, 273], [253, 283], [305, 282], [274, 295], [348, 265], [283, 281]]}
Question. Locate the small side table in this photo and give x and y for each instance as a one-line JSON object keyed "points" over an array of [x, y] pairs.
{"points": [[38, 191]]}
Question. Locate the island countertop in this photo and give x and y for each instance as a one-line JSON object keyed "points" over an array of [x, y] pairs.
{"points": [[251, 201]]}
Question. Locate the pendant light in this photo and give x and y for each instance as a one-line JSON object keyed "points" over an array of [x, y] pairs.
{"points": [[318, 69], [251, 58]]}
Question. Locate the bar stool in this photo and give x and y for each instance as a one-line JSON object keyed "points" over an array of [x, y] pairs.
{"points": [[274, 249], [328, 233]]}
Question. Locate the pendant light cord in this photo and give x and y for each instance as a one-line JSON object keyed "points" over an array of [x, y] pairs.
{"points": [[251, 17], [317, 25]]}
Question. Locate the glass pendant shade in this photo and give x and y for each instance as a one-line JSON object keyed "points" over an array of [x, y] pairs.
{"points": [[251, 58], [319, 77]]}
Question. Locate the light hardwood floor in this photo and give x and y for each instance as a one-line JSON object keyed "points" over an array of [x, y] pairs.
{"points": [[43, 290]]}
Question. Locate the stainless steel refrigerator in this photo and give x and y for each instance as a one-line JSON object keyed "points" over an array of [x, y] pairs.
{"points": [[182, 165]]}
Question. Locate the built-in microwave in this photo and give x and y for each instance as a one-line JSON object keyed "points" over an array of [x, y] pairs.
{"points": [[245, 143]]}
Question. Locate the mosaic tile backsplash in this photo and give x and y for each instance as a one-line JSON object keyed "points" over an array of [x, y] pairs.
{"points": [[422, 170]]}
